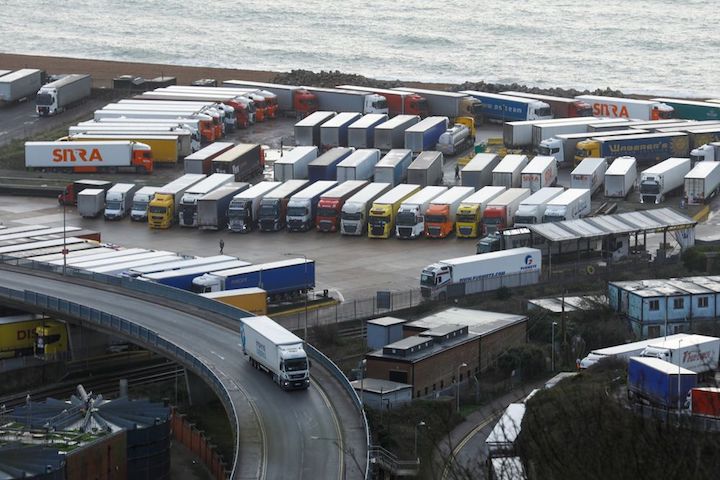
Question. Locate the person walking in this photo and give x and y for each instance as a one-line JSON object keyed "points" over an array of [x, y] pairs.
{"points": [[222, 246], [457, 172]]}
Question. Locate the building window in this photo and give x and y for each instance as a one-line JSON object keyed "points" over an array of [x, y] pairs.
{"points": [[426, 390], [434, 387], [703, 302], [678, 303], [418, 394], [654, 305]]}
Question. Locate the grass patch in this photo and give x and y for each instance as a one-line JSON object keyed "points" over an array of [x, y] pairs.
{"points": [[12, 154]]}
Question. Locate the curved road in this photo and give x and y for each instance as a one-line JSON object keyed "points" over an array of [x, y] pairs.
{"points": [[282, 434]]}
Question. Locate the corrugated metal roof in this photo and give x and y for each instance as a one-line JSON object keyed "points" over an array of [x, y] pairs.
{"points": [[37, 461]]}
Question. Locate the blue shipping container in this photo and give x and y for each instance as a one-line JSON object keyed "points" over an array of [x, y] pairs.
{"points": [[325, 166], [649, 149], [183, 278], [425, 134], [276, 280], [505, 109], [657, 380]]}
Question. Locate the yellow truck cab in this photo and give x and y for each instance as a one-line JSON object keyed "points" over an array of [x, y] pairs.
{"points": [[381, 220], [469, 213], [163, 208], [51, 339]]}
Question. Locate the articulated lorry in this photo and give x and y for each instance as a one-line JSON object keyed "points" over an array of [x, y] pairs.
{"points": [[561, 107], [448, 104], [302, 206], [392, 168], [19, 84], [441, 213], [294, 164], [205, 122], [90, 157], [706, 153], [499, 213], [540, 172], [252, 299], [620, 177], [236, 109], [508, 173], [468, 221], [361, 134], [324, 167], [383, 214], [275, 350], [542, 131], [564, 146], [334, 132], [330, 205], [212, 208], [158, 110], [356, 209], [163, 208], [659, 382], [410, 218], [660, 180], [119, 200], [273, 206], [426, 169], [339, 100], [425, 134], [136, 124], [391, 134], [623, 351], [188, 208], [244, 208], [691, 109], [359, 165], [166, 148], [307, 130], [520, 134], [188, 141], [572, 204], [457, 277], [55, 97], [702, 182], [398, 102], [292, 100], [140, 202], [590, 174], [69, 195], [244, 161], [531, 210], [477, 172], [201, 161], [645, 147], [505, 108], [225, 114], [614, 107], [183, 278], [698, 353]]}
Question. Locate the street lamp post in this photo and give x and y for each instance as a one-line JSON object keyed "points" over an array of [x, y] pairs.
{"points": [[552, 348], [307, 288], [418, 425], [457, 378], [362, 383]]}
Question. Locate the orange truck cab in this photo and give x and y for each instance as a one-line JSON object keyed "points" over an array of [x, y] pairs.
{"points": [[304, 102], [440, 214], [261, 107], [271, 103]]}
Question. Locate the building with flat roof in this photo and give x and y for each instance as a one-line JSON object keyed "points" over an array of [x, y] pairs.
{"points": [[377, 393], [384, 330]]}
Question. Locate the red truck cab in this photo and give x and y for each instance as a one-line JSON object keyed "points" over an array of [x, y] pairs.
{"points": [[580, 109], [493, 220], [304, 102], [414, 105], [327, 218], [271, 103]]}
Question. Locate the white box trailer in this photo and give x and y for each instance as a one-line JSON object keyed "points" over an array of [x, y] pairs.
{"points": [[118, 200], [520, 134], [361, 134], [624, 351], [122, 268], [360, 165], [426, 169], [590, 174], [543, 131], [90, 202], [457, 277], [620, 177], [355, 210], [478, 172], [508, 172], [294, 164], [564, 147], [702, 182], [101, 155], [19, 84], [532, 209], [614, 107], [540, 172], [391, 134], [55, 97], [572, 204], [659, 180], [698, 353]]}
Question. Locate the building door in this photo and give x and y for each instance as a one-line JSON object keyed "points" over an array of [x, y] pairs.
{"points": [[397, 376]]}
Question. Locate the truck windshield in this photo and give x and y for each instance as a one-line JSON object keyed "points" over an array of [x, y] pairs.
{"points": [[297, 211], [543, 112], [582, 153], [650, 187], [524, 219], [268, 210], [295, 365], [237, 212], [553, 218], [157, 209], [543, 150], [112, 205], [44, 99], [139, 206], [380, 221], [465, 218], [427, 279], [435, 218], [491, 220], [351, 216], [326, 212], [406, 219], [380, 104]]}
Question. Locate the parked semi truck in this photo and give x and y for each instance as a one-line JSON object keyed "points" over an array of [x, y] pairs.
{"points": [[292, 100], [237, 113], [302, 206], [392, 168], [698, 353], [457, 138], [294, 164], [448, 104], [359, 165], [19, 84], [561, 107], [590, 174], [572, 204], [212, 208], [691, 109], [540, 172], [623, 351], [69, 195], [205, 121], [273, 206], [410, 218], [252, 299], [441, 213], [620, 177], [383, 214], [334, 132], [706, 153], [188, 141], [499, 213], [614, 107], [457, 277], [564, 146], [520, 134], [188, 208], [182, 103], [134, 124], [324, 167], [184, 277], [361, 133], [275, 350], [398, 102], [356, 209], [140, 202], [646, 147], [166, 148], [244, 208], [508, 173], [163, 208], [702, 182], [659, 382], [504, 108], [118, 200], [468, 221], [660, 180], [55, 97], [426, 169], [169, 111], [244, 161], [425, 134], [477, 172], [307, 130], [201, 161], [391, 134], [331, 202], [531, 210], [339, 100], [90, 157]]}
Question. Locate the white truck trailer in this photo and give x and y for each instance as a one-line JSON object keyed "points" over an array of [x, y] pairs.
{"points": [[97, 156], [119, 200], [90, 202], [520, 134], [141, 200], [564, 147], [457, 277], [590, 174], [532, 209], [540, 172], [614, 107], [698, 353], [624, 351], [360, 165], [477, 172], [361, 134], [508, 172], [572, 204], [307, 130], [245, 206], [702, 182], [294, 164], [55, 97], [188, 211], [620, 177], [543, 131], [275, 350], [340, 100], [355, 210], [19, 84], [659, 180], [410, 221], [426, 169]]}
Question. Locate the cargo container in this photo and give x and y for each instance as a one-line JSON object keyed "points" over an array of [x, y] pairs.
{"points": [[307, 130], [659, 382], [425, 134], [508, 172], [505, 108], [705, 401], [91, 202], [359, 165], [564, 146], [244, 161], [164, 206], [457, 277], [410, 217], [19, 84], [448, 104], [118, 200], [623, 351], [520, 134], [361, 134], [620, 177], [499, 213], [55, 97], [697, 353], [252, 300], [302, 206], [166, 149], [572, 204], [478, 171], [275, 350], [183, 278], [339, 100], [292, 100], [273, 206], [205, 121], [561, 107], [334, 132], [88, 157], [391, 134], [244, 208], [426, 169], [188, 208], [646, 147], [294, 164], [468, 222], [659, 180], [441, 213], [331, 202], [18, 335], [532, 209], [356, 209], [324, 167], [392, 168], [614, 107], [399, 103], [201, 161], [702, 182], [383, 214], [540, 172], [179, 265], [212, 208], [691, 109], [590, 174], [140, 202]]}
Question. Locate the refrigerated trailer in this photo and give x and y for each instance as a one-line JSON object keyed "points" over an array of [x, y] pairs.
{"points": [[661, 179], [19, 84], [55, 97], [620, 177], [702, 182], [478, 171], [398, 102], [307, 130], [294, 164], [359, 165], [86, 156], [508, 173], [615, 107], [361, 134], [391, 134]]}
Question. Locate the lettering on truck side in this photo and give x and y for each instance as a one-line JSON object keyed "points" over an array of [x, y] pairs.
{"points": [[61, 155], [605, 110], [693, 357]]}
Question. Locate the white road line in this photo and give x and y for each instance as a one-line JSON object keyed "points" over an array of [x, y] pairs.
{"points": [[218, 355]]}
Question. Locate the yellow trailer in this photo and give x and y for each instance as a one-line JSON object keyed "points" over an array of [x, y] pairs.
{"points": [[166, 149], [253, 299], [18, 334]]}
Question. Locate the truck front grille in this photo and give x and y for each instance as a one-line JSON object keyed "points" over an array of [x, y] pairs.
{"points": [[434, 231], [404, 232], [465, 230], [377, 231], [350, 228]]}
